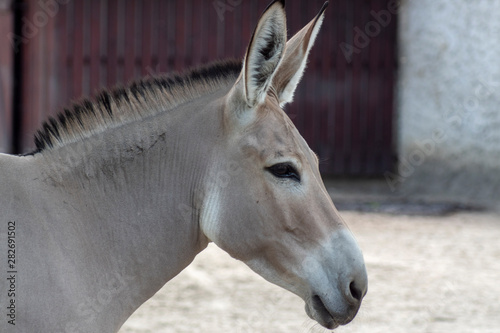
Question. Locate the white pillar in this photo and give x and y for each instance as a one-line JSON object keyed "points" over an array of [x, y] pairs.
{"points": [[448, 118]]}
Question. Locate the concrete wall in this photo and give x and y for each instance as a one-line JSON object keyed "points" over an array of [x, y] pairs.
{"points": [[449, 99]]}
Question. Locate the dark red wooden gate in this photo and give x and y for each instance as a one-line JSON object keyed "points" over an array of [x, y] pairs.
{"points": [[343, 106]]}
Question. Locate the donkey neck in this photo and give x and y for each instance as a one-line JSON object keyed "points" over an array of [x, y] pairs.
{"points": [[132, 190]]}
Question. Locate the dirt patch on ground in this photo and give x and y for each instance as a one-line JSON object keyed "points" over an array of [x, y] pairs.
{"points": [[426, 274]]}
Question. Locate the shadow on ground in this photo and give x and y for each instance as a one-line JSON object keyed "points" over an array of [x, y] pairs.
{"points": [[374, 196]]}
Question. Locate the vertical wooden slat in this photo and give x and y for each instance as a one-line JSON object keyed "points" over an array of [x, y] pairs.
{"points": [[95, 45], [340, 101], [238, 47], [180, 40], [228, 29], [354, 121], [138, 9], [31, 93], [146, 41], [154, 38], [363, 125], [210, 35], [61, 57], [388, 72], [112, 43], [121, 41], [44, 72], [197, 22], [373, 144], [129, 40], [219, 36], [69, 50], [246, 27], [78, 49], [163, 38], [103, 44], [172, 33], [52, 83], [188, 35], [87, 56], [6, 77]]}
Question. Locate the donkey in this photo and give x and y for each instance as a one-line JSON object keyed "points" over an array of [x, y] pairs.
{"points": [[124, 190]]}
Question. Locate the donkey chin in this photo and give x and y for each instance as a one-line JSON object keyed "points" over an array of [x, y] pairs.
{"points": [[330, 317]]}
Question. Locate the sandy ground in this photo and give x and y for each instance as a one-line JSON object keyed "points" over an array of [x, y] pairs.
{"points": [[426, 274]]}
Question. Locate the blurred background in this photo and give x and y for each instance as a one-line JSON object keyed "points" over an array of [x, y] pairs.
{"points": [[402, 91]]}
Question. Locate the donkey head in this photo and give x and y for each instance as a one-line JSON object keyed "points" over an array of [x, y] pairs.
{"points": [[275, 214]]}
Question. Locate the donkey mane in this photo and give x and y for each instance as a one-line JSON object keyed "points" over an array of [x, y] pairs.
{"points": [[142, 98]]}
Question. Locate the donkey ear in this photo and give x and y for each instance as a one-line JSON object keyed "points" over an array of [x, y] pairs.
{"points": [[294, 61], [264, 53]]}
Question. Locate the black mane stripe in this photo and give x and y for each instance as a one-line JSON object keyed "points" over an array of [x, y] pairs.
{"points": [[120, 104]]}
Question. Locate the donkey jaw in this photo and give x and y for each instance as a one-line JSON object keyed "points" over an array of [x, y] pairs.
{"points": [[316, 310]]}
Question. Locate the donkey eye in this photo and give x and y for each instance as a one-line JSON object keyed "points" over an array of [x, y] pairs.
{"points": [[284, 170]]}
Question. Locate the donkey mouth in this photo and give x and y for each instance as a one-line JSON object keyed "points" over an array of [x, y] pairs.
{"points": [[318, 311]]}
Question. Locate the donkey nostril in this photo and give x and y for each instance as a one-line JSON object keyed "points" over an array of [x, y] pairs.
{"points": [[356, 292]]}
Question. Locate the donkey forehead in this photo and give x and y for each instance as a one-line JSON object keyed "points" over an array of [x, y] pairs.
{"points": [[274, 136]]}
